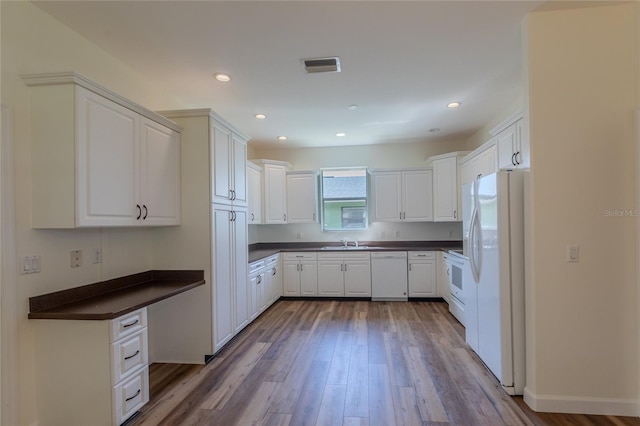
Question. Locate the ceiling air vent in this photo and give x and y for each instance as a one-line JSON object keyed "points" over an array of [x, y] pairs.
{"points": [[315, 65]]}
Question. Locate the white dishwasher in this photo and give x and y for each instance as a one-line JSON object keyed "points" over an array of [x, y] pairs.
{"points": [[389, 275]]}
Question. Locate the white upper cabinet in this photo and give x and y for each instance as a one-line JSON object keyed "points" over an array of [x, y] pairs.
{"points": [[274, 190], [99, 160], [160, 174], [417, 195], [254, 190], [512, 143], [302, 197], [446, 191], [228, 157], [386, 196], [480, 162], [402, 195]]}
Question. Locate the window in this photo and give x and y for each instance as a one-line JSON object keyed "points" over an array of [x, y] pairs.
{"points": [[344, 199]]}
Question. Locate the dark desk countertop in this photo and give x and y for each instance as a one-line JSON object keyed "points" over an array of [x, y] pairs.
{"points": [[110, 299]]}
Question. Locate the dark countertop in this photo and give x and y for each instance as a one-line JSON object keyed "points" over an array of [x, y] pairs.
{"points": [[260, 251], [110, 299]]}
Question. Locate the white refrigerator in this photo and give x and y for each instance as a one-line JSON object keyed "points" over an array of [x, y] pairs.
{"points": [[493, 237]]}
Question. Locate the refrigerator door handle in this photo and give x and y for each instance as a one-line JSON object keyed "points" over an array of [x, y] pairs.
{"points": [[474, 248]]}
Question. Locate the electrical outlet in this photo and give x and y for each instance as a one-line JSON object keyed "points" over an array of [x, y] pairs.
{"points": [[299, 235], [76, 258], [29, 265], [397, 234], [573, 254], [97, 255]]}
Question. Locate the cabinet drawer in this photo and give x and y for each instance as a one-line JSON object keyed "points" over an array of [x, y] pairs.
{"points": [[331, 255], [256, 266], [129, 355], [128, 324], [130, 395], [417, 255], [270, 261], [301, 256]]}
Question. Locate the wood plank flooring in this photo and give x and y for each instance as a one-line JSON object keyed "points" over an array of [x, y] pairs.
{"points": [[344, 363]]}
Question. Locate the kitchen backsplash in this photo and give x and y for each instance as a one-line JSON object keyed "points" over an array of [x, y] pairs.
{"points": [[378, 231]]}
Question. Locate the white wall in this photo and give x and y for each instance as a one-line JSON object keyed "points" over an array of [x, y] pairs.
{"points": [[33, 42], [372, 156], [582, 352]]}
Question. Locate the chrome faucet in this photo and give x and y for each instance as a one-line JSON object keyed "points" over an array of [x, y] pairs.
{"points": [[345, 242], [356, 242]]}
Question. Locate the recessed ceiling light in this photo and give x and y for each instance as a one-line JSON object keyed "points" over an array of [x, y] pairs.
{"points": [[282, 138], [454, 104], [434, 130], [341, 134], [260, 116], [352, 107], [222, 77]]}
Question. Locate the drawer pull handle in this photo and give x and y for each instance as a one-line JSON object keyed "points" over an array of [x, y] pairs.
{"points": [[130, 325], [137, 393], [131, 356]]}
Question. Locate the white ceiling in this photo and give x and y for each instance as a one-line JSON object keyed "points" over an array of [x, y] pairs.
{"points": [[402, 62]]}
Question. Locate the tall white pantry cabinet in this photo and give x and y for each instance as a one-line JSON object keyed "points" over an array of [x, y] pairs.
{"points": [[213, 235]]}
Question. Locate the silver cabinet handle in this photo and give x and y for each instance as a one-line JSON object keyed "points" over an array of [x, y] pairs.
{"points": [[139, 212], [284, 217], [409, 266], [274, 272], [252, 217], [146, 212], [455, 214]]}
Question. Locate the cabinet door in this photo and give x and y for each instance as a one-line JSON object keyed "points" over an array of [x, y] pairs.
{"points": [[221, 173], [107, 173], [254, 294], [422, 278], [302, 198], [330, 278], [506, 141], [254, 184], [275, 194], [291, 278], [309, 278], [239, 171], [221, 269], [522, 146], [160, 174], [276, 282], [417, 196], [357, 279], [386, 196], [445, 190], [241, 267]]}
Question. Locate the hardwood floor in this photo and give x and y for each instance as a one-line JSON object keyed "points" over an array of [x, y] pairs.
{"points": [[344, 363]]}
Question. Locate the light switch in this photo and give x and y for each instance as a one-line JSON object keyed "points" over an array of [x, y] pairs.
{"points": [[573, 253]]}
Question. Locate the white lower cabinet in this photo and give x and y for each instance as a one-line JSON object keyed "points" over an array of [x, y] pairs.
{"points": [[442, 276], [229, 272], [422, 273], [273, 277], [256, 291], [300, 274], [92, 372], [344, 274]]}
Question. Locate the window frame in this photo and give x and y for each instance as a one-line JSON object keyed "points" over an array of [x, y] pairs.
{"points": [[323, 200]]}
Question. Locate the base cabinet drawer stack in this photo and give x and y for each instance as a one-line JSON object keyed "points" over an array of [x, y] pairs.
{"points": [[92, 372]]}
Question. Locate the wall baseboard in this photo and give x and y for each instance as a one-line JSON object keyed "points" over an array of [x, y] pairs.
{"points": [[581, 405]]}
